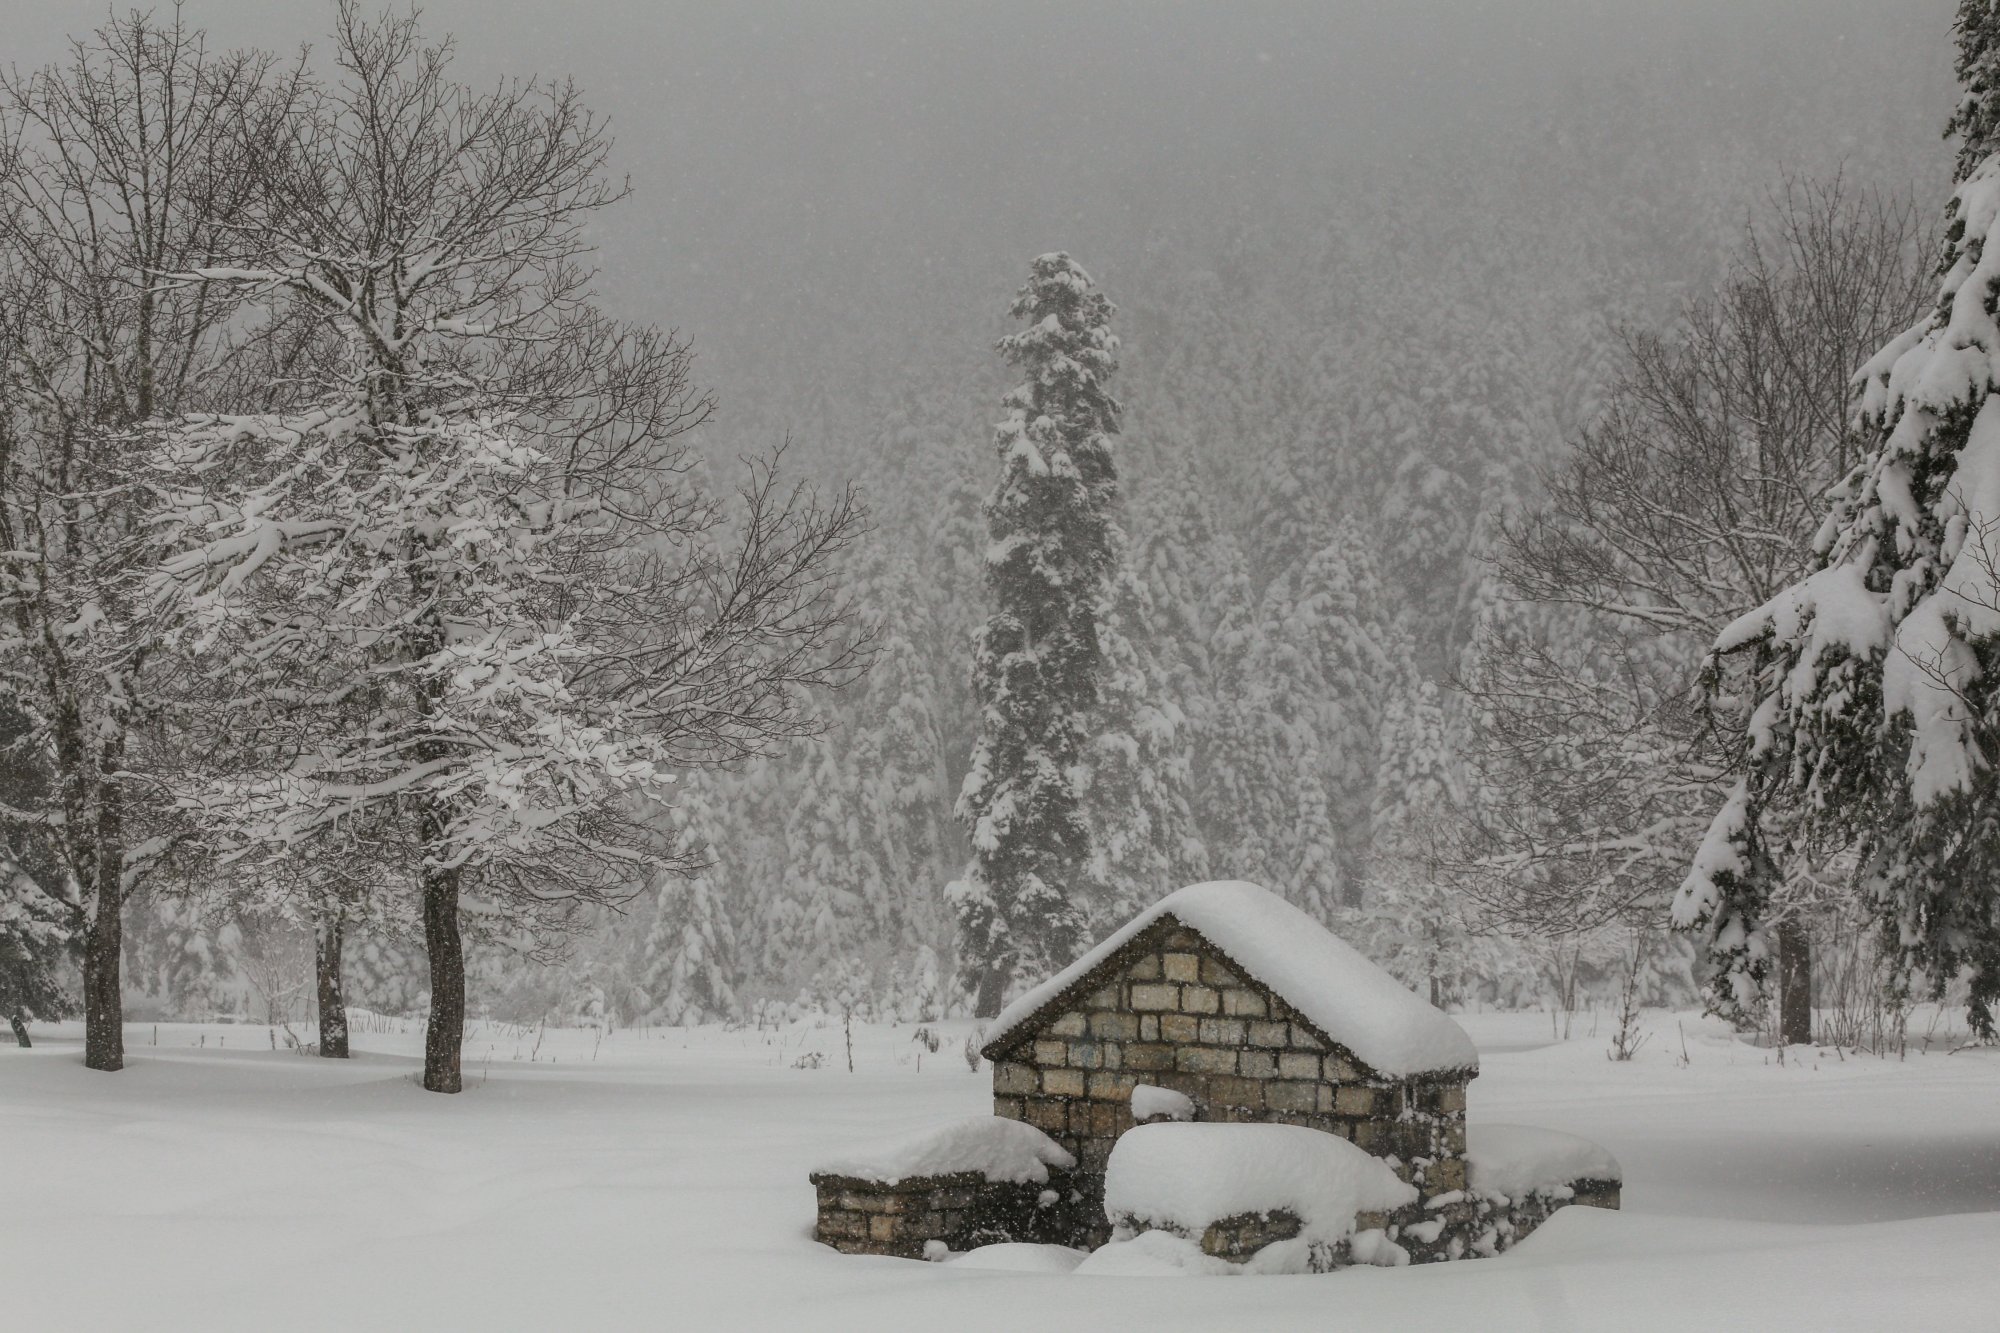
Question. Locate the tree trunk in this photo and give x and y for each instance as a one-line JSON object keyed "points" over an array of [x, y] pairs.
{"points": [[445, 1032], [1794, 984], [328, 938], [20, 1026], [103, 997], [992, 989]]}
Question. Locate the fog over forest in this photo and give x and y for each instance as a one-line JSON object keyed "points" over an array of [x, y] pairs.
{"points": [[1369, 262]]}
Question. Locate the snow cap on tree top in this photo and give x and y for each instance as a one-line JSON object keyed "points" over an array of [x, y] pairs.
{"points": [[1350, 1000]]}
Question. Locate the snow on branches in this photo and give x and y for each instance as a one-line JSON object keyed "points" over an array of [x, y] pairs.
{"points": [[1036, 660], [1875, 677]]}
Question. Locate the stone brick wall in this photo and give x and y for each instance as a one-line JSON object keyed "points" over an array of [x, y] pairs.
{"points": [[964, 1211], [1172, 1010]]}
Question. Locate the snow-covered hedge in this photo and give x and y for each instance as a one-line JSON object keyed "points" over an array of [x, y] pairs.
{"points": [[1188, 1178]]}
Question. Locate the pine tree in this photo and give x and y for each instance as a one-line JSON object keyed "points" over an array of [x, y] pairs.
{"points": [[1976, 122], [1415, 922], [691, 965], [1876, 677], [1143, 840], [1037, 658]]}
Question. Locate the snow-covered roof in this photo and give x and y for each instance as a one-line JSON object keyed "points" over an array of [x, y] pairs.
{"points": [[1332, 986]]}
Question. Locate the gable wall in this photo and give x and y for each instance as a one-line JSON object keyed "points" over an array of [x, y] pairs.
{"points": [[1174, 1012]]}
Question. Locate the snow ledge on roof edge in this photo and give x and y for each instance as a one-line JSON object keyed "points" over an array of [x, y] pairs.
{"points": [[1330, 983]]}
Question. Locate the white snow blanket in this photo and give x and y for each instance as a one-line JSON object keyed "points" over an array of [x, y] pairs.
{"points": [[1183, 1177], [1150, 1102], [1338, 990], [996, 1148], [1516, 1160]]}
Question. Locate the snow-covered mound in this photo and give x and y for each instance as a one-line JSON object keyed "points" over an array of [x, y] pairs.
{"points": [[1153, 1254], [1184, 1177], [1017, 1257], [998, 1149], [1520, 1159], [1150, 1102], [1339, 991]]}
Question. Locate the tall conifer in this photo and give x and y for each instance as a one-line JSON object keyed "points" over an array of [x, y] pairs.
{"points": [[1036, 659]]}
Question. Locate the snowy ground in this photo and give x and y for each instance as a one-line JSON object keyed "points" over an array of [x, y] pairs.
{"points": [[658, 1179]]}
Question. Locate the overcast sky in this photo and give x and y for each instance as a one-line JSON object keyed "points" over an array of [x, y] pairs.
{"points": [[796, 165]]}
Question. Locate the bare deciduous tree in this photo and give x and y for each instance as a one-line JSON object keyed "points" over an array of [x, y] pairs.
{"points": [[1692, 499]]}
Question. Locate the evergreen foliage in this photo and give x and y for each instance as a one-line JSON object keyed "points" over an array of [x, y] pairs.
{"points": [[1021, 905], [1875, 679], [1976, 121]]}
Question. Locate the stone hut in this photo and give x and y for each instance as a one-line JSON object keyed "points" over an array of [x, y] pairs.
{"points": [[1221, 1003], [1228, 994]]}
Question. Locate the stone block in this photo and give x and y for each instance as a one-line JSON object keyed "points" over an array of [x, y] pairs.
{"points": [[1112, 1054], [1354, 1101], [1062, 1082], [1304, 1038], [842, 1224], [1200, 999], [1149, 1027], [1124, 1027], [1257, 1064], [1281, 1096], [1007, 1108], [1181, 967], [1184, 940], [1242, 1003], [1146, 967], [1085, 1055], [1111, 997], [1450, 1098], [1205, 1060], [883, 1228], [1340, 1069], [1069, 1025], [1011, 1078], [1226, 1090], [1297, 1064], [1180, 1028], [1222, 1031], [1109, 1119], [1156, 997], [1116, 1087], [1218, 974], [1149, 1057], [1449, 1138], [1445, 1175], [1047, 1114], [1376, 1136], [1324, 1097], [1272, 1036], [1051, 1053]]}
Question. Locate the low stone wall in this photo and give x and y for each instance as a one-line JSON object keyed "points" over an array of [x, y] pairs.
{"points": [[1469, 1224], [963, 1211], [1448, 1228]]}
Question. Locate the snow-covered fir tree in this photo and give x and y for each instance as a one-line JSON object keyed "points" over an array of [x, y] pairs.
{"points": [[1022, 904], [690, 950], [1144, 842], [1415, 920], [1976, 122]]}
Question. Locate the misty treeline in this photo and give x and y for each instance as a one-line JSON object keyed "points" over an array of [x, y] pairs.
{"points": [[355, 576], [1424, 523]]}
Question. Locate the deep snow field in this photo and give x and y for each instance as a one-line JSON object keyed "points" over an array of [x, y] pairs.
{"points": [[657, 1179]]}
